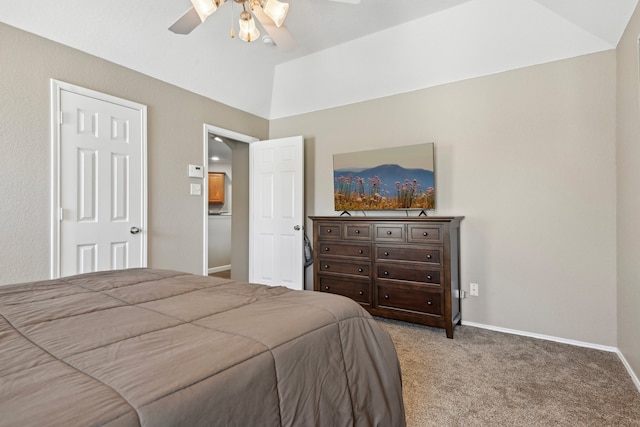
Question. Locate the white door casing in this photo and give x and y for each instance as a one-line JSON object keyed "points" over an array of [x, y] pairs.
{"points": [[277, 208], [225, 133], [99, 186]]}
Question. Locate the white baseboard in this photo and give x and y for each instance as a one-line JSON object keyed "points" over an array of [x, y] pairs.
{"points": [[632, 374], [542, 337], [219, 269]]}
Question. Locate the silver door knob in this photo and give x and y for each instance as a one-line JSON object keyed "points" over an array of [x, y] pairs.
{"points": [[134, 230], [296, 227]]}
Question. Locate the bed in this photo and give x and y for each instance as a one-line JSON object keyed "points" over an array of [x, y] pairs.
{"points": [[156, 347]]}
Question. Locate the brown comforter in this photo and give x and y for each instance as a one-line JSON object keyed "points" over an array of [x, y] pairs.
{"points": [[163, 348]]}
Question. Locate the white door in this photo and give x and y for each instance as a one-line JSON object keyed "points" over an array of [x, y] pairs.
{"points": [[276, 218], [102, 182]]}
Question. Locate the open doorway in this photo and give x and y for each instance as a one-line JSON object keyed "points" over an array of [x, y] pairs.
{"points": [[220, 202], [226, 203], [267, 187]]}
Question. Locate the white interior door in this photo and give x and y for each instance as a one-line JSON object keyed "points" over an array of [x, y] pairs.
{"points": [[101, 193], [276, 212]]}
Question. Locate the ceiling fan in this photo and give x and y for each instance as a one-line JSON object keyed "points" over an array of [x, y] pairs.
{"points": [[270, 13]]}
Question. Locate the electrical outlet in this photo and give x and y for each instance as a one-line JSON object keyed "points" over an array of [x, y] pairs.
{"points": [[473, 289]]}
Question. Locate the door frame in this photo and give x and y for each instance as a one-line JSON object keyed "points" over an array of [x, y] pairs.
{"points": [[226, 133], [56, 87]]}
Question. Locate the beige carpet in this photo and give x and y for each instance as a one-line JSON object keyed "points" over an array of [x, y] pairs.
{"points": [[487, 378], [226, 274]]}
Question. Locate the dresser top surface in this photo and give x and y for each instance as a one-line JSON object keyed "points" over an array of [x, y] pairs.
{"points": [[419, 219]]}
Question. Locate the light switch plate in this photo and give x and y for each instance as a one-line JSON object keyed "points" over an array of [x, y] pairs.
{"points": [[196, 171], [196, 189]]}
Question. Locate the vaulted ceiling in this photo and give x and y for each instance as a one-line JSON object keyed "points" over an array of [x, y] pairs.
{"points": [[345, 52]]}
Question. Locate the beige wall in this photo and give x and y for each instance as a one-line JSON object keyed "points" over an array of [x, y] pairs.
{"points": [[240, 209], [628, 214], [175, 133], [528, 156]]}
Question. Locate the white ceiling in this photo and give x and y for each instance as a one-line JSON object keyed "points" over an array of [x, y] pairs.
{"points": [[346, 53]]}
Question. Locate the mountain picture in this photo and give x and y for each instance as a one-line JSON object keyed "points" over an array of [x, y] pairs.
{"points": [[386, 186]]}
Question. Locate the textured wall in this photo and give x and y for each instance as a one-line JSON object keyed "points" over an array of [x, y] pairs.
{"points": [[628, 163], [528, 156], [175, 139]]}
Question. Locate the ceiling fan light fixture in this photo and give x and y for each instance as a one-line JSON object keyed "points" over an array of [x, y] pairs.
{"points": [[206, 7], [276, 10], [270, 13], [248, 30]]}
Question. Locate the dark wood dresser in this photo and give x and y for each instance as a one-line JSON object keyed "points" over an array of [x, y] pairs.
{"points": [[400, 268]]}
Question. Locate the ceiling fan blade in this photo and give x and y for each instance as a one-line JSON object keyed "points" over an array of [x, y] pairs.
{"points": [[280, 35], [187, 22]]}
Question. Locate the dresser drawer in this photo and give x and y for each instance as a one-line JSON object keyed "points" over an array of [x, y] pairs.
{"points": [[389, 232], [356, 289], [410, 273], [357, 231], [426, 254], [413, 298], [329, 231], [418, 233], [360, 250], [328, 265]]}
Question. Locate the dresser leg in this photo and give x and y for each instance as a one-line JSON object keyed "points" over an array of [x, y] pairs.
{"points": [[449, 328]]}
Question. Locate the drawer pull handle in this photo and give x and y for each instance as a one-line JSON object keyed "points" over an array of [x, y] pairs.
{"points": [[428, 277], [360, 270], [326, 249], [326, 288], [357, 231], [429, 302], [361, 293], [386, 297], [326, 267], [425, 234], [389, 232], [428, 256], [360, 251], [328, 230], [386, 254], [386, 273]]}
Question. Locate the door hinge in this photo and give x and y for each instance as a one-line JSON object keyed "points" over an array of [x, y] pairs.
{"points": [[61, 214], [61, 118]]}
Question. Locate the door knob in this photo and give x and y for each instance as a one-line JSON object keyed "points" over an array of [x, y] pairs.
{"points": [[134, 230], [296, 227]]}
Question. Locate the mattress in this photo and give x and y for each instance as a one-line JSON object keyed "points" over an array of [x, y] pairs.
{"points": [[149, 347]]}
